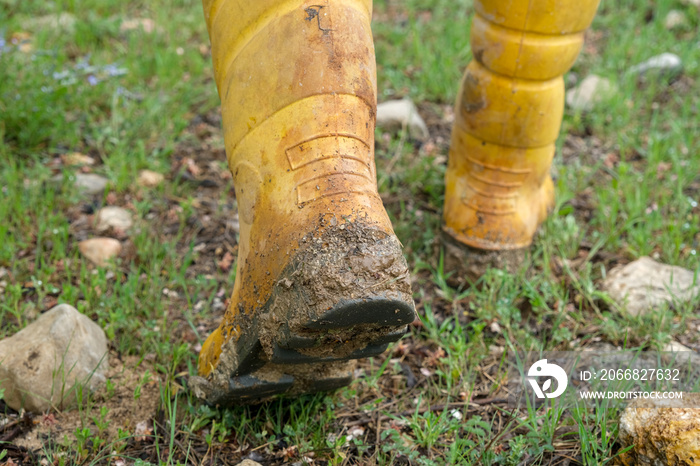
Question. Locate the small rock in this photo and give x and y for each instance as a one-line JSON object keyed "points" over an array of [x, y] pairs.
{"points": [[76, 158], [667, 66], [89, 183], [680, 354], [100, 250], [64, 22], [248, 462], [218, 305], [149, 179], [675, 19], [590, 92], [113, 217], [42, 365], [675, 347], [645, 284], [396, 114], [695, 3], [664, 432]]}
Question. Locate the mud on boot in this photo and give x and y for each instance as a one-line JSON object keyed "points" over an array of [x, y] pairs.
{"points": [[345, 295]]}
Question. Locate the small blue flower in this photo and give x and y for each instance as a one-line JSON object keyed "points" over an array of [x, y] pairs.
{"points": [[113, 70], [3, 46], [83, 63], [92, 79], [60, 76]]}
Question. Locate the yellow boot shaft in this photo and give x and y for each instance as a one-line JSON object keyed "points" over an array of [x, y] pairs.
{"points": [[508, 115], [297, 82]]}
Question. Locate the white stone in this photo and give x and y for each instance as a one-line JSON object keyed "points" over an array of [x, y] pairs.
{"points": [[394, 115], [89, 183], [113, 217], [675, 19], [674, 346], [664, 432], [149, 179], [645, 284], [247, 462], [666, 65], [680, 354], [590, 92], [42, 366], [100, 250]]}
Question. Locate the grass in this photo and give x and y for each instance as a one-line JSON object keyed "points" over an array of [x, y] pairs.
{"points": [[627, 186]]}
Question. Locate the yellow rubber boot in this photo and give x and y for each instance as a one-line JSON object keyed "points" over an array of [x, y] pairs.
{"points": [[320, 275], [508, 116]]}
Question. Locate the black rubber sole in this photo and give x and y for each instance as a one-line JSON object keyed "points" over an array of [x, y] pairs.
{"points": [[313, 356], [270, 381]]}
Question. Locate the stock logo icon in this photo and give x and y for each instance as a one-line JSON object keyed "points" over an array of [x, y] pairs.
{"points": [[542, 368]]}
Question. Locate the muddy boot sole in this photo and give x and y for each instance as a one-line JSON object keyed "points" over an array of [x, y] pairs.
{"points": [[315, 359], [345, 296]]}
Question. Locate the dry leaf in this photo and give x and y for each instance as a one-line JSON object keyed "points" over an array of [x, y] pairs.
{"points": [[226, 261], [191, 166], [611, 159]]}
